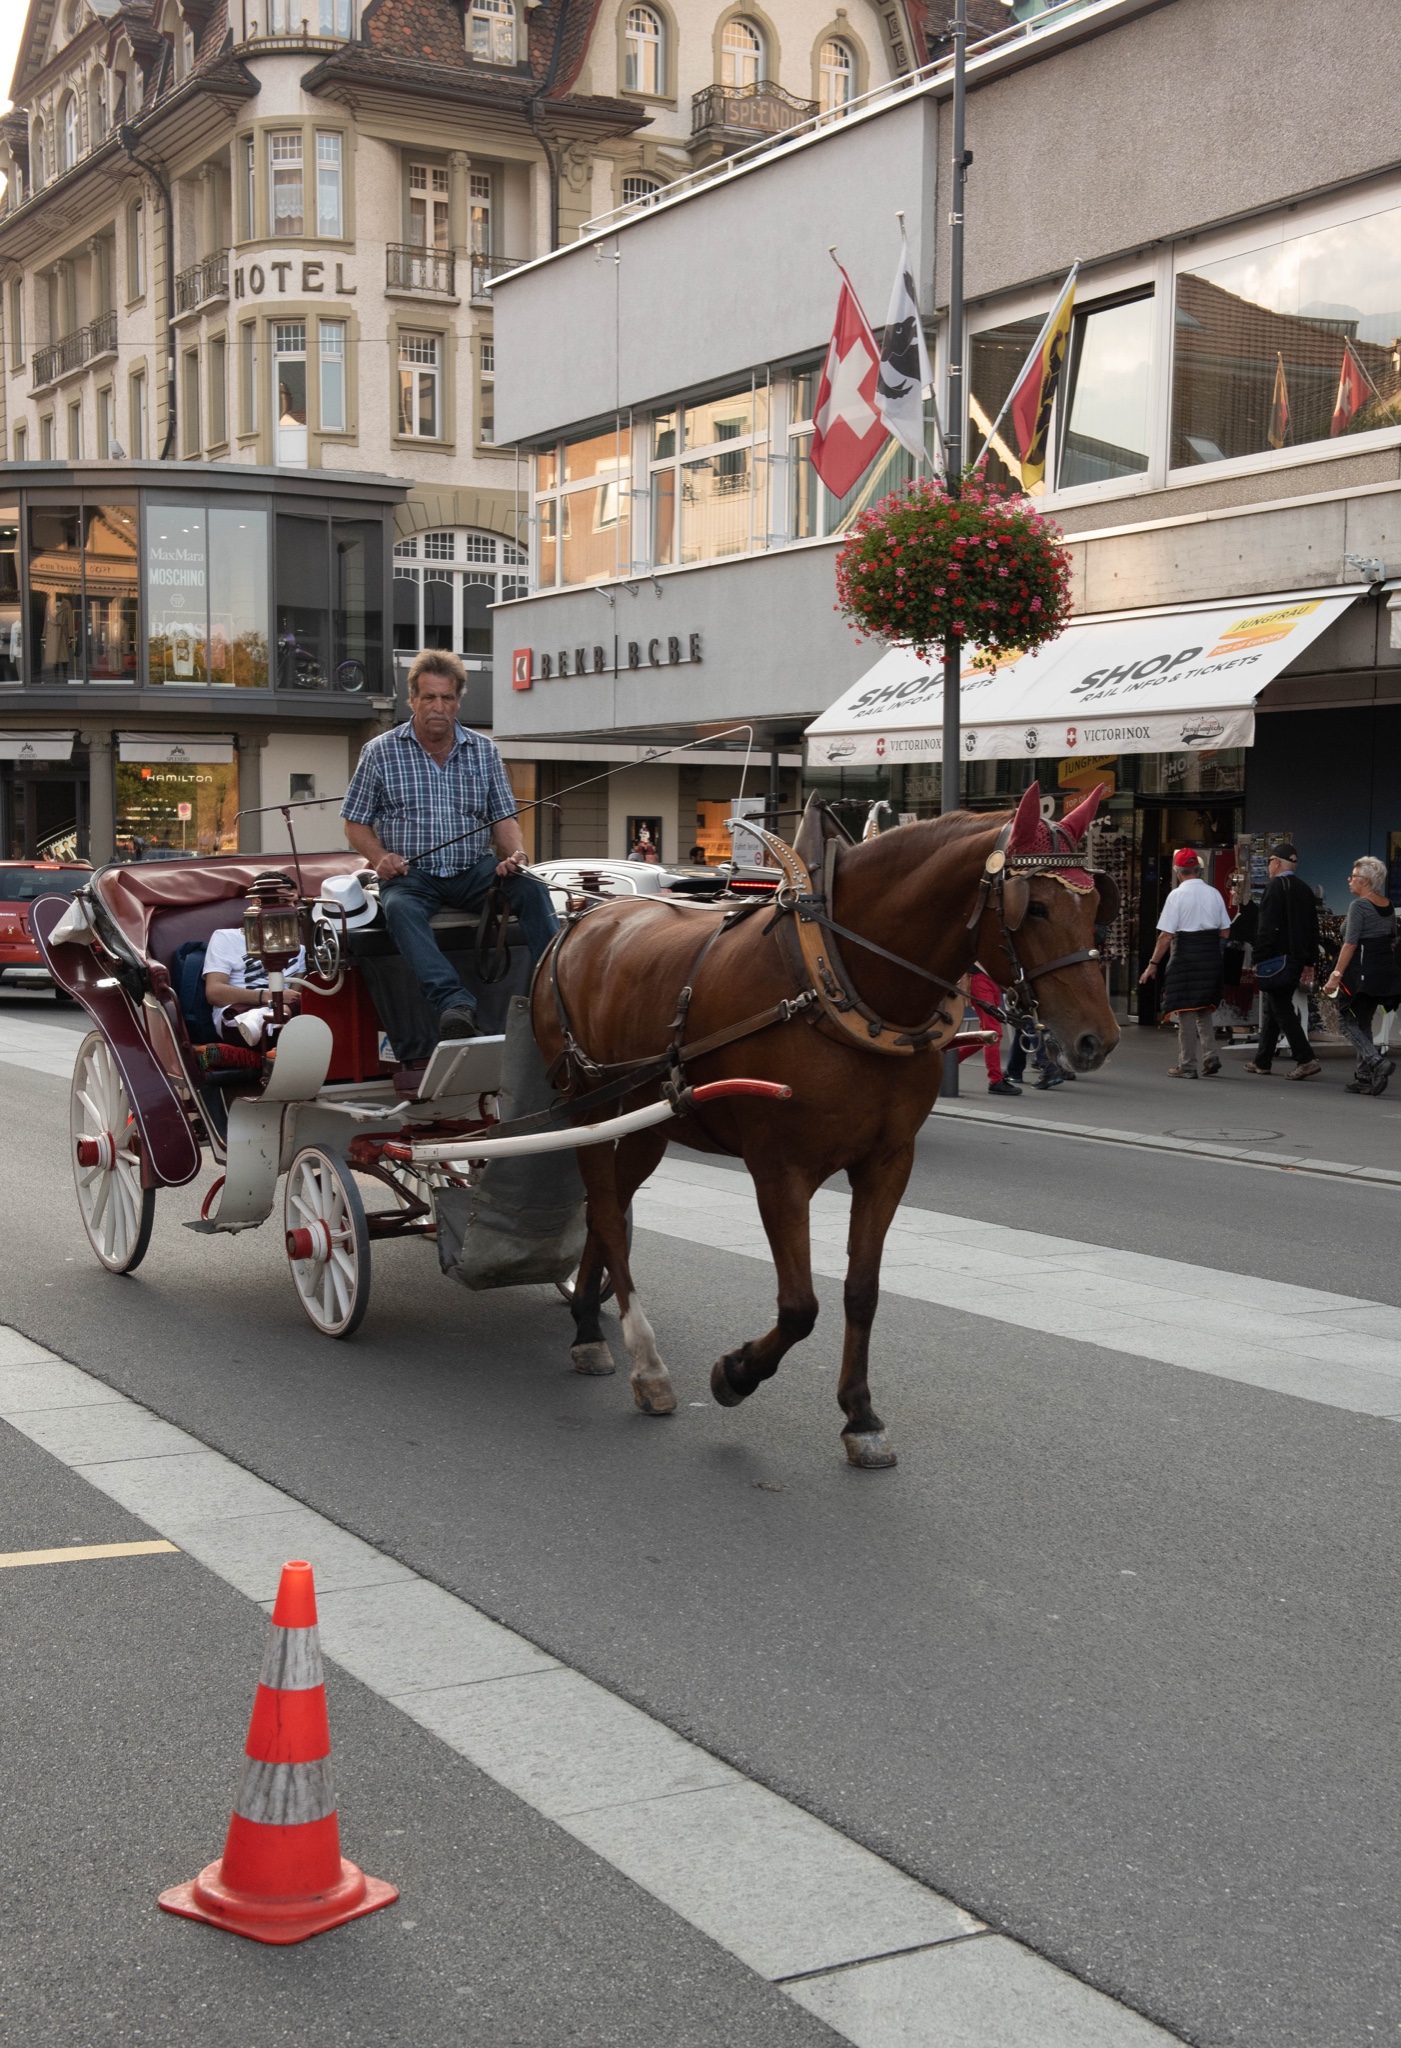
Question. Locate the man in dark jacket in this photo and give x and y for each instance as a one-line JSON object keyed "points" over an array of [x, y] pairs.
{"points": [[1288, 929]]}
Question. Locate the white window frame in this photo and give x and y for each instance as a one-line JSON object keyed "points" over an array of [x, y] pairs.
{"points": [[758, 441], [739, 54], [331, 377], [827, 72], [71, 130], [547, 505], [75, 430], [136, 415], [281, 160], [419, 370], [106, 422], [337, 20], [486, 378], [330, 184], [491, 32], [644, 52], [288, 451], [430, 206], [639, 197]]}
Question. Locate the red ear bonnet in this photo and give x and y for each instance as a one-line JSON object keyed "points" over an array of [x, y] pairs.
{"points": [[1075, 824], [1029, 835]]}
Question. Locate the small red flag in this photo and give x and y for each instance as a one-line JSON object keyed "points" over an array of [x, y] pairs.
{"points": [[1355, 389], [847, 428]]}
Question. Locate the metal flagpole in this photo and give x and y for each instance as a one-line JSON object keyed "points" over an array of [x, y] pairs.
{"points": [[955, 416], [955, 399]]}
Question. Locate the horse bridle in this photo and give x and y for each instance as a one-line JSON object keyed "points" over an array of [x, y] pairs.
{"points": [[1002, 867]]}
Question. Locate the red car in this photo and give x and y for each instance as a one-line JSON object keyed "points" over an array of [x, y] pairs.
{"points": [[23, 882]]}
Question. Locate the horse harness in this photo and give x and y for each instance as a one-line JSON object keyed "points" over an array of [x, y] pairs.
{"points": [[808, 937]]}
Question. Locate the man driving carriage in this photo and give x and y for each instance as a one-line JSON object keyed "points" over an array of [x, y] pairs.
{"points": [[431, 810]]}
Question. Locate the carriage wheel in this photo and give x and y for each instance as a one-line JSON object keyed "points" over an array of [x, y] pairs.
{"points": [[117, 1211], [328, 1242]]}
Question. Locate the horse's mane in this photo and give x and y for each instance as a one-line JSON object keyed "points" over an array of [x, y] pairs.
{"points": [[909, 843]]}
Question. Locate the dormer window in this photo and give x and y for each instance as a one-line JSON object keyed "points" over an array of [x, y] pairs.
{"points": [[491, 31]]}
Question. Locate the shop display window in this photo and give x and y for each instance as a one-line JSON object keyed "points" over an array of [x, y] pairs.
{"points": [[111, 594], [303, 604], [238, 596], [176, 807]]}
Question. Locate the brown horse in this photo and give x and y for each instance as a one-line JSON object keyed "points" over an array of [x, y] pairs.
{"points": [[1007, 892]]}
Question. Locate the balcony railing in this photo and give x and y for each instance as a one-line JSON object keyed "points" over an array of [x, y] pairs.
{"points": [[98, 338], [747, 110], [410, 268], [485, 271], [201, 282]]}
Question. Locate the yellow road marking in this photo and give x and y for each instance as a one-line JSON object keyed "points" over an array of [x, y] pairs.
{"points": [[78, 1553]]}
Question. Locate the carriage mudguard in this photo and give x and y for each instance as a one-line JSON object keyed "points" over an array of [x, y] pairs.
{"points": [[169, 1148]]}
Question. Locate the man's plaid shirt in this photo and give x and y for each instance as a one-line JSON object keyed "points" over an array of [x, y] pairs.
{"points": [[413, 804]]}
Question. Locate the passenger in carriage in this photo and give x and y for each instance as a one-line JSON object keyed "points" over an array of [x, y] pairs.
{"points": [[430, 809], [236, 984]]}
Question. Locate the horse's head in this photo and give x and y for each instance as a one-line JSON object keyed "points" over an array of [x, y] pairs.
{"points": [[1045, 912]]}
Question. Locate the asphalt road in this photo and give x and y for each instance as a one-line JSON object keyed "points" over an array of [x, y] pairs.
{"points": [[1108, 1659]]}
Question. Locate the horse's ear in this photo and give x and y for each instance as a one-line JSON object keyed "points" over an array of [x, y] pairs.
{"points": [[818, 826], [1026, 826], [1109, 897], [1016, 894], [1075, 824]]}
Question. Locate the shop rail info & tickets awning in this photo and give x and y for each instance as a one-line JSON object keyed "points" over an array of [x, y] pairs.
{"points": [[1136, 683]]}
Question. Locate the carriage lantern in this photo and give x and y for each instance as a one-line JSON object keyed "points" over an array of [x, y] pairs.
{"points": [[272, 929]]}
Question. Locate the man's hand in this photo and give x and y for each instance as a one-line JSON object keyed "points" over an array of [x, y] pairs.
{"points": [[513, 864], [391, 864], [1149, 973]]}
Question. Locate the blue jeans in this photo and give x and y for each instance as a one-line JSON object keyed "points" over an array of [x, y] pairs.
{"points": [[410, 900]]}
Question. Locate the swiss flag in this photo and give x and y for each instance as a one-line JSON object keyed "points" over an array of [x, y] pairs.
{"points": [[847, 429], [1355, 389]]}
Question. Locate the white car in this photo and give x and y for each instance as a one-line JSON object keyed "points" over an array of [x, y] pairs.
{"points": [[624, 878]]}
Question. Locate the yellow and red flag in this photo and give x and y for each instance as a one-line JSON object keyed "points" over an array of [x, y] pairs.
{"points": [[1034, 392], [1279, 407], [1355, 389]]}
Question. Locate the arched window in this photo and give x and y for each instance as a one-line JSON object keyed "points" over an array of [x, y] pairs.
{"points": [[741, 54], [491, 31], [72, 131], [38, 157], [97, 108], [836, 77], [644, 70], [639, 191]]}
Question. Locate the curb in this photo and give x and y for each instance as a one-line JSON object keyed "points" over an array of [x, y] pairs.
{"points": [[1148, 1141]]}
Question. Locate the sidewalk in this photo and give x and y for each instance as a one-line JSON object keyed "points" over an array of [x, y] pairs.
{"points": [[1294, 1120]]}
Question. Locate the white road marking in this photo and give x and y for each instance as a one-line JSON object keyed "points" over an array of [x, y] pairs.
{"points": [[1338, 1349], [788, 1895], [84, 1553]]}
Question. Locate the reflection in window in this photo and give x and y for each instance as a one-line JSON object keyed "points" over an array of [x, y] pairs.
{"points": [[1106, 394], [177, 593], [642, 66], [303, 604], [585, 531], [428, 206], [55, 591], [995, 358], [836, 77], [358, 554], [812, 510], [11, 602], [741, 55], [110, 595], [289, 378], [437, 608], [418, 386], [713, 503], [151, 797], [238, 596], [1297, 341], [333, 376]]}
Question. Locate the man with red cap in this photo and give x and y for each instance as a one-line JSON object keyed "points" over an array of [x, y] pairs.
{"points": [[1194, 923]]}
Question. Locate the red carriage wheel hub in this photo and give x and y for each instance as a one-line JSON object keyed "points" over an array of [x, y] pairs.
{"points": [[98, 1151], [314, 1242]]}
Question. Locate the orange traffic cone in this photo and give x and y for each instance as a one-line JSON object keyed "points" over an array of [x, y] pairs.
{"points": [[282, 1875]]}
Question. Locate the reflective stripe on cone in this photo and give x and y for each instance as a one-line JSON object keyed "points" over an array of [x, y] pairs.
{"points": [[282, 1876]]}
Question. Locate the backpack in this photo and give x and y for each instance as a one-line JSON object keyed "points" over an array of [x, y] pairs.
{"points": [[187, 980]]}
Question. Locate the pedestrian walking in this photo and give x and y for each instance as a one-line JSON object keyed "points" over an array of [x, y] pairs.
{"points": [[984, 989], [1286, 957], [1367, 974], [1194, 924]]}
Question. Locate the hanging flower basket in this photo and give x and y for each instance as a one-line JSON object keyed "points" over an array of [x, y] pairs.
{"points": [[930, 569]]}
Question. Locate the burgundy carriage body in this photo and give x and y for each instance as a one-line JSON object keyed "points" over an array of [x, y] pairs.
{"points": [[158, 907]]}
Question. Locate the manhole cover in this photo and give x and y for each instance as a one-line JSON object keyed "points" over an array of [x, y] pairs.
{"points": [[1231, 1136]]}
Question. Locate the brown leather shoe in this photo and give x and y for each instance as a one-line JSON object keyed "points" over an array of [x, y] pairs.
{"points": [[1251, 1068], [1305, 1071]]}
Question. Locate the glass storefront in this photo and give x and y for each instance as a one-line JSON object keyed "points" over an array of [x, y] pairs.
{"points": [[194, 589]]}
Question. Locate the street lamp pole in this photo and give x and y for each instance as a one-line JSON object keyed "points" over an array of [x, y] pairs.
{"points": [[955, 423], [955, 399]]}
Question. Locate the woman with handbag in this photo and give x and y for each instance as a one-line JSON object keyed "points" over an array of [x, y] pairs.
{"points": [[1366, 974]]}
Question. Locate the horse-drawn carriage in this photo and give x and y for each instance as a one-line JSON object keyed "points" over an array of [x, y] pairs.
{"points": [[355, 1090]]}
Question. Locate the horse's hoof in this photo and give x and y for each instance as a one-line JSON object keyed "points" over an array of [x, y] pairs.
{"points": [[720, 1386], [871, 1452], [653, 1396], [594, 1360]]}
